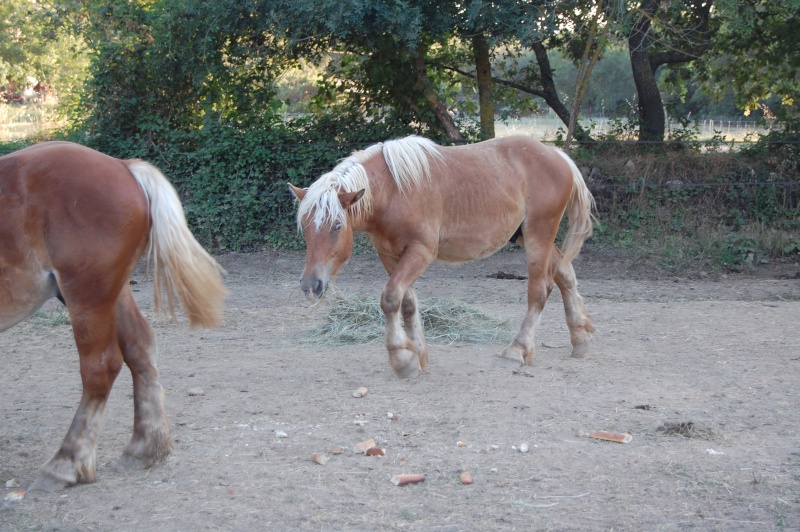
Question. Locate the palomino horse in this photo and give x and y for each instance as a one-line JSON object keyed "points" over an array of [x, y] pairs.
{"points": [[74, 225], [420, 202]]}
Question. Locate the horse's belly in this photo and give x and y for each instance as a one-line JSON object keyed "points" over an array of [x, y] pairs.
{"points": [[480, 230], [22, 293], [470, 247]]}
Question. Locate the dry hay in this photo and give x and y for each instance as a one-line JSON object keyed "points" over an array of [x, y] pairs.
{"points": [[354, 319]]}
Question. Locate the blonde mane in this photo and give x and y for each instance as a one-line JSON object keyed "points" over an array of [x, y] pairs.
{"points": [[408, 160]]}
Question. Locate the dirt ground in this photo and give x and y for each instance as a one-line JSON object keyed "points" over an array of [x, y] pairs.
{"points": [[703, 370]]}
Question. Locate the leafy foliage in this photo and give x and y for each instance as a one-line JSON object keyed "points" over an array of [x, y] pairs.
{"points": [[707, 208], [193, 86], [756, 51], [34, 45], [233, 180]]}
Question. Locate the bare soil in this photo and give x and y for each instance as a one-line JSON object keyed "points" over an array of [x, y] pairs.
{"points": [[702, 369]]}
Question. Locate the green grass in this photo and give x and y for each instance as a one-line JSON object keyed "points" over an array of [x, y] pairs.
{"points": [[50, 317]]}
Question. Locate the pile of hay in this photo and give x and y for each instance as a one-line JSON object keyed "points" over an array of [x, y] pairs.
{"points": [[357, 320]]}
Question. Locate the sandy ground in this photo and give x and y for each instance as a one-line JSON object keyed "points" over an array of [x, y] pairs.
{"points": [[701, 369]]}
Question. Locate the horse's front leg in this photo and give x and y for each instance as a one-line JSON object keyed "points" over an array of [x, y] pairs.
{"points": [[100, 362], [407, 354], [412, 322]]}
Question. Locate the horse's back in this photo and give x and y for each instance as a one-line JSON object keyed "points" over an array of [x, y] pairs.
{"points": [[509, 159], [481, 193]]}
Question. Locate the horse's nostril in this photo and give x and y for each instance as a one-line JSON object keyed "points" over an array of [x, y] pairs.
{"points": [[319, 287], [313, 287]]}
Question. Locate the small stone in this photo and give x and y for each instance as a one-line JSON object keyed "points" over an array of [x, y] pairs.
{"points": [[14, 496], [362, 447], [193, 392], [319, 458]]}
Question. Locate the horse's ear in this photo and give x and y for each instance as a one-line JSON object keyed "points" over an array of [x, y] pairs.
{"points": [[299, 193], [348, 198]]}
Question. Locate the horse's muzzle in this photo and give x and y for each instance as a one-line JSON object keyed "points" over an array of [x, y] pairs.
{"points": [[313, 288]]}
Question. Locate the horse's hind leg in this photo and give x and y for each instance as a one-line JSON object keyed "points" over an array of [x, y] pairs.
{"points": [[580, 327], [540, 283], [151, 439], [100, 363]]}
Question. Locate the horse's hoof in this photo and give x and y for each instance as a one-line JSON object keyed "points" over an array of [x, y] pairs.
{"points": [[512, 357], [50, 483], [580, 350], [135, 463], [409, 371], [405, 363], [504, 362]]}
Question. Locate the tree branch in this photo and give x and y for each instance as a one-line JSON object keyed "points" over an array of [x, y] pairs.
{"points": [[507, 83]]}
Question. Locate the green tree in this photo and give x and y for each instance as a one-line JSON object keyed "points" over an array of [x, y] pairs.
{"points": [[174, 65], [34, 45], [756, 51], [663, 32], [382, 53]]}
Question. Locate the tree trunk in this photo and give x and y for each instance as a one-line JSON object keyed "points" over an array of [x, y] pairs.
{"points": [[439, 108], [483, 70], [591, 54], [651, 109], [549, 92]]}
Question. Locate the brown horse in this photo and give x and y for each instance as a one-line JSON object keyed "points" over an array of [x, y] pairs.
{"points": [[420, 202], [74, 225]]}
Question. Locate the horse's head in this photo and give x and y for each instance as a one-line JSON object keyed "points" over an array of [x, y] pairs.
{"points": [[329, 242]]}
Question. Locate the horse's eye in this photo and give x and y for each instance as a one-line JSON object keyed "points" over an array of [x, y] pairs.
{"points": [[336, 227]]}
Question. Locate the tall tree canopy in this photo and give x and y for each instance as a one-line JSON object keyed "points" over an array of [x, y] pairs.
{"points": [[444, 68], [757, 51], [33, 45]]}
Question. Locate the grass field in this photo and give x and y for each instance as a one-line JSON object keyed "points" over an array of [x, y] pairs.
{"points": [[21, 121], [547, 127]]}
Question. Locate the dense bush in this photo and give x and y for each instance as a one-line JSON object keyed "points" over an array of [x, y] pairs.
{"points": [[233, 180], [690, 206], [697, 207]]}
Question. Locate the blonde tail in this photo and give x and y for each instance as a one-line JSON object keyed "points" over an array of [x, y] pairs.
{"points": [[580, 208], [181, 267]]}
